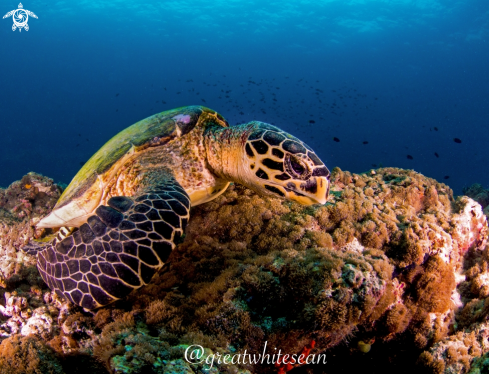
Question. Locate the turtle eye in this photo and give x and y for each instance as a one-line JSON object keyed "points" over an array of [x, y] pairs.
{"points": [[296, 167]]}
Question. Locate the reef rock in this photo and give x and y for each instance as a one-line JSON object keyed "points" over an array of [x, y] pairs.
{"points": [[479, 194], [22, 205], [391, 259]]}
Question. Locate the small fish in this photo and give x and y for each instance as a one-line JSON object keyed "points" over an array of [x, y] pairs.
{"points": [[446, 177], [435, 128], [82, 163], [457, 140], [336, 139], [116, 94], [409, 157], [365, 142], [312, 121], [437, 155]]}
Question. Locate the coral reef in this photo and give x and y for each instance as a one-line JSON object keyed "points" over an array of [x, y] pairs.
{"points": [[467, 348], [455, 353], [479, 194], [22, 205], [392, 258], [21, 355]]}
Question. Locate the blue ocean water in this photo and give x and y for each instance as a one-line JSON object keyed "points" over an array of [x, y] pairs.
{"points": [[366, 83]]}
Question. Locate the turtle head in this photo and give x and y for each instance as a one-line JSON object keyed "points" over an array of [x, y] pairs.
{"points": [[280, 165], [269, 161]]}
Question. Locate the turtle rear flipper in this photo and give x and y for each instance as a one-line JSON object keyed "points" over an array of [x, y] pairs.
{"points": [[120, 247]]}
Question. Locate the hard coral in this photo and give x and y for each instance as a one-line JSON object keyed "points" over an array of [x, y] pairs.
{"points": [[251, 276], [478, 193], [21, 355], [33, 196], [391, 257], [467, 348], [456, 353], [22, 205]]}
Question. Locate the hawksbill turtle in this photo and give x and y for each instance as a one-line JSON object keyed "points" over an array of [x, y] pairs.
{"points": [[130, 202]]}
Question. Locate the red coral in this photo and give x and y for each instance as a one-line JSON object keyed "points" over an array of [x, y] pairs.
{"points": [[283, 367]]}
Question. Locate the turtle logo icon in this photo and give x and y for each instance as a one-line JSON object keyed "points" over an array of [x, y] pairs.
{"points": [[20, 17]]}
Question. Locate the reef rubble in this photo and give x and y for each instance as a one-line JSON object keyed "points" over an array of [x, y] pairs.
{"points": [[391, 260]]}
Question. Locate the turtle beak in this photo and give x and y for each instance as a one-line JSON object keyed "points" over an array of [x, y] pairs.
{"points": [[313, 191]]}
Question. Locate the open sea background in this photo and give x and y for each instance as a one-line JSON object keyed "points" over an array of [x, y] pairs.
{"points": [[366, 83]]}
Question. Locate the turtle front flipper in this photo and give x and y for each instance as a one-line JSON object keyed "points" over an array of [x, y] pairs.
{"points": [[120, 247]]}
